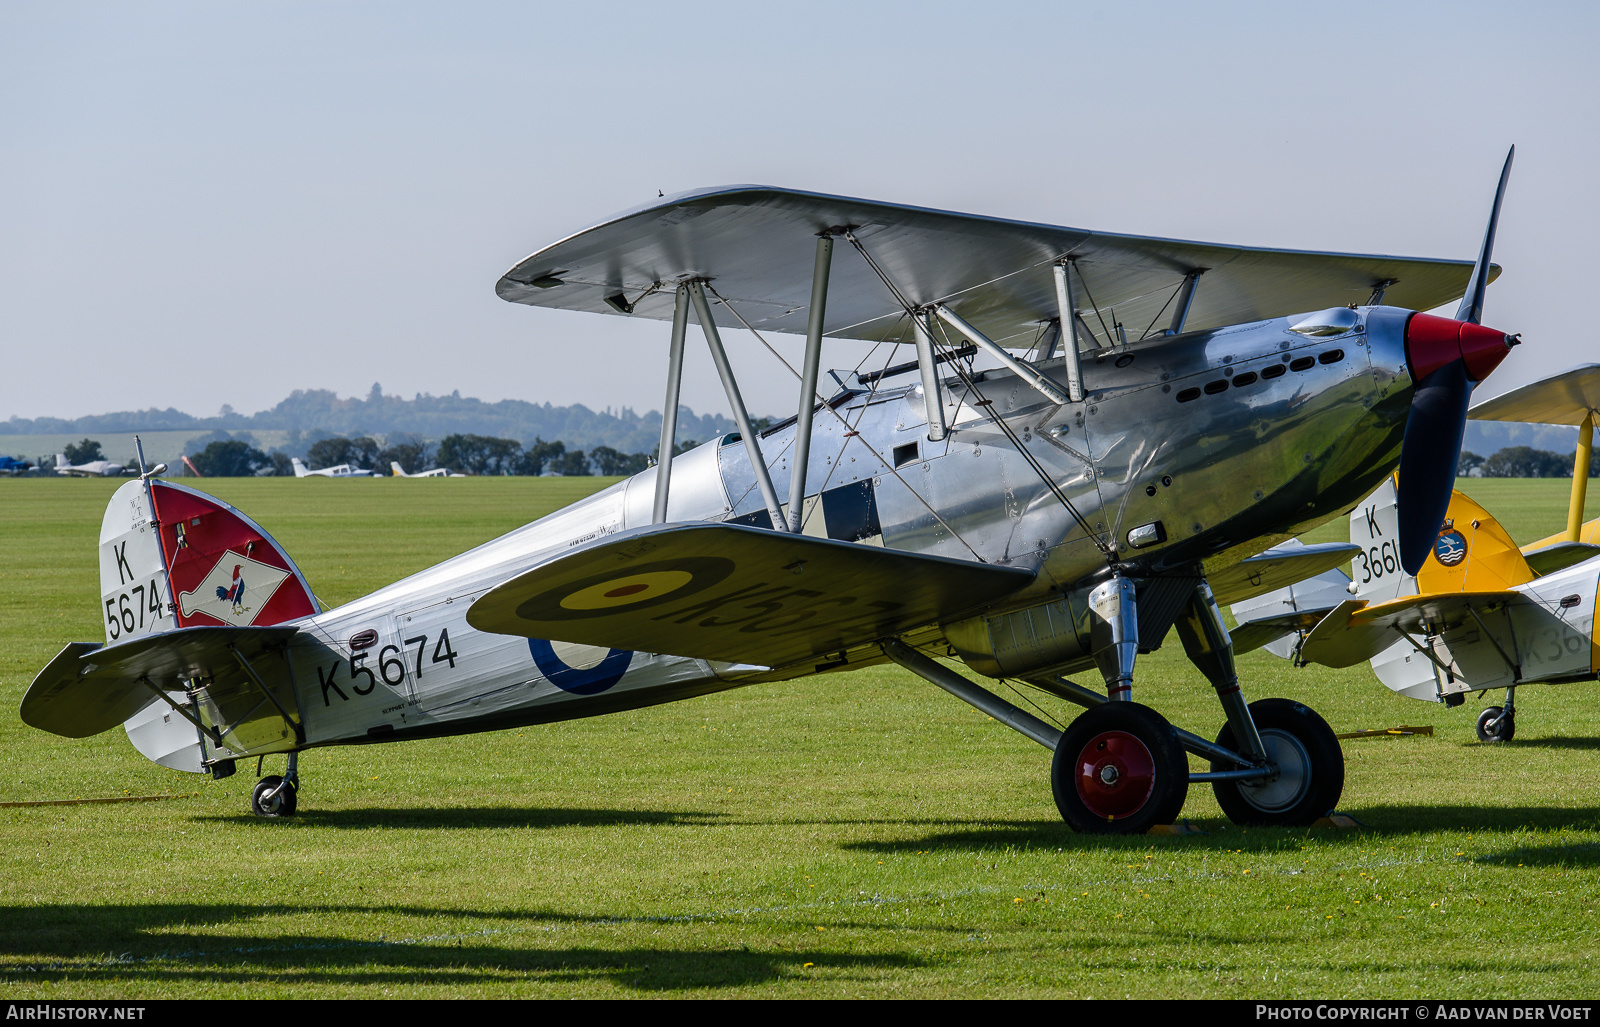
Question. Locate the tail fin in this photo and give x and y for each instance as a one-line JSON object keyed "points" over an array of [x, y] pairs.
{"points": [[193, 561], [299, 468], [1473, 553], [398, 472], [1375, 527], [62, 461]]}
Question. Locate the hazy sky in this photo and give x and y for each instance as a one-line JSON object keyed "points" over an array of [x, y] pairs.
{"points": [[212, 203]]}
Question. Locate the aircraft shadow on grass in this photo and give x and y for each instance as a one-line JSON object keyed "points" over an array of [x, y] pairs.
{"points": [[1578, 744], [483, 817], [148, 943], [1387, 821]]}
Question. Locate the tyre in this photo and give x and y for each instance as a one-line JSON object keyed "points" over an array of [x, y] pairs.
{"points": [[1496, 725], [280, 805], [1119, 769], [1310, 764]]}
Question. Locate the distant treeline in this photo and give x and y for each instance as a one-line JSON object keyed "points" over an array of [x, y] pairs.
{"points": [[314, 410], [1522, 462], [463, 453]]}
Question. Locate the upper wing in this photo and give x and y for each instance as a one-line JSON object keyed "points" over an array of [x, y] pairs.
{"points": [[727, 592], [757, 244], [1565, 398]]}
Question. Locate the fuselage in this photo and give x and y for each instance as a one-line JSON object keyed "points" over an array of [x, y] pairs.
{"points": [[1228, 439]]}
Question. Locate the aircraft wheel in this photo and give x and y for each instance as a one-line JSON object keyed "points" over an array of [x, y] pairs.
{"points": [[1496, 725], [1310, 768], [1119, 770], [281, 805]]}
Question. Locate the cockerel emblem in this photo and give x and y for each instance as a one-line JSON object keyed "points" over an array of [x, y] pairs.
{"points": [[233, 594]]}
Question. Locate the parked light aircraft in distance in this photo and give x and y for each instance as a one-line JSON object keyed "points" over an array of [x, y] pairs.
{"points": [[1057, 512], [336, 471], [1481, 612], [437, 472], [14, 465], [92, 469]]}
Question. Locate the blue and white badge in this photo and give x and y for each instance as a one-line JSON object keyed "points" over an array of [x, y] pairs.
{"points": [[1450, 548]]}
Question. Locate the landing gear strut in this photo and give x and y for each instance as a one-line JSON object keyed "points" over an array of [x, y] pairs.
{"points": [[1121, 768], [276, 796]]}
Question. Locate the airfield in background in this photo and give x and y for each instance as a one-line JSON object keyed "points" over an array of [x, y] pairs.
{"points": [[860, 834]]}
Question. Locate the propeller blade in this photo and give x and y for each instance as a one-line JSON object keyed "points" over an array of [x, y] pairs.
{"points": [[1447, 358], [1471, 309], [1428, 458]]}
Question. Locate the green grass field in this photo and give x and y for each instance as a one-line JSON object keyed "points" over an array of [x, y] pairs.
{"points": [[856, 835]]}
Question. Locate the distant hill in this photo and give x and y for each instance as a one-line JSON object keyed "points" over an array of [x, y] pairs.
{"points": [[313, 410], [309, 411]]}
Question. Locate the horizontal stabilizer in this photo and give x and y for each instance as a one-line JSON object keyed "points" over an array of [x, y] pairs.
{"points": [[1356, 631], [744, 595], [1254, 634], [88, 688], [1277, 568]]}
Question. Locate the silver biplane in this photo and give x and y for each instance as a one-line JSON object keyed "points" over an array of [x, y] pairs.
{"points": [[1154, 414]]}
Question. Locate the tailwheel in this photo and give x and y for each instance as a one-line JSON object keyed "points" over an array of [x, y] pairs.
{"points": [[1310, 768], [274, 797], [1496, 724], [1119, 769]]}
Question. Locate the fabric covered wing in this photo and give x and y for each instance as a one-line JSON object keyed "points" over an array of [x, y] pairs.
{"points": [[88, 689], [1566, 398], [744, 595], [757, 243], [1355, 632]]}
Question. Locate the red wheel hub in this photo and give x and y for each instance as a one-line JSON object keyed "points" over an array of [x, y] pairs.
{"points": [[1116, 774]]}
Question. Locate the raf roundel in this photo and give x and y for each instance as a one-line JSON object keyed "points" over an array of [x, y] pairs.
{"points": [[579, 680], [1450, 548], [635, 588]]}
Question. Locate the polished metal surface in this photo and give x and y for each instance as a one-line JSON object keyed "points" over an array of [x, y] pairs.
{"points": [[807, 403], [928, 367], [669, 407], [1068, 323], [741, 417], [1044, 386]]}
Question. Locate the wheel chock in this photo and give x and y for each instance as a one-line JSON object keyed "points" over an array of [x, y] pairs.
{"points": [[1389, 732], [1337, 819], [1174, 830]]}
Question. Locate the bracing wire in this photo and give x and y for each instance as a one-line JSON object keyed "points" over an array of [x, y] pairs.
{"points": [[1164, 307], [851, 428], [968, 380], [971, 383], [1111, 340]]}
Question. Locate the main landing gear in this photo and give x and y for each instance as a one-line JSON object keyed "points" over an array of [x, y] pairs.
{"points": [[1122, 768], [1499, 723], [276, 796], [1119, 769]]}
